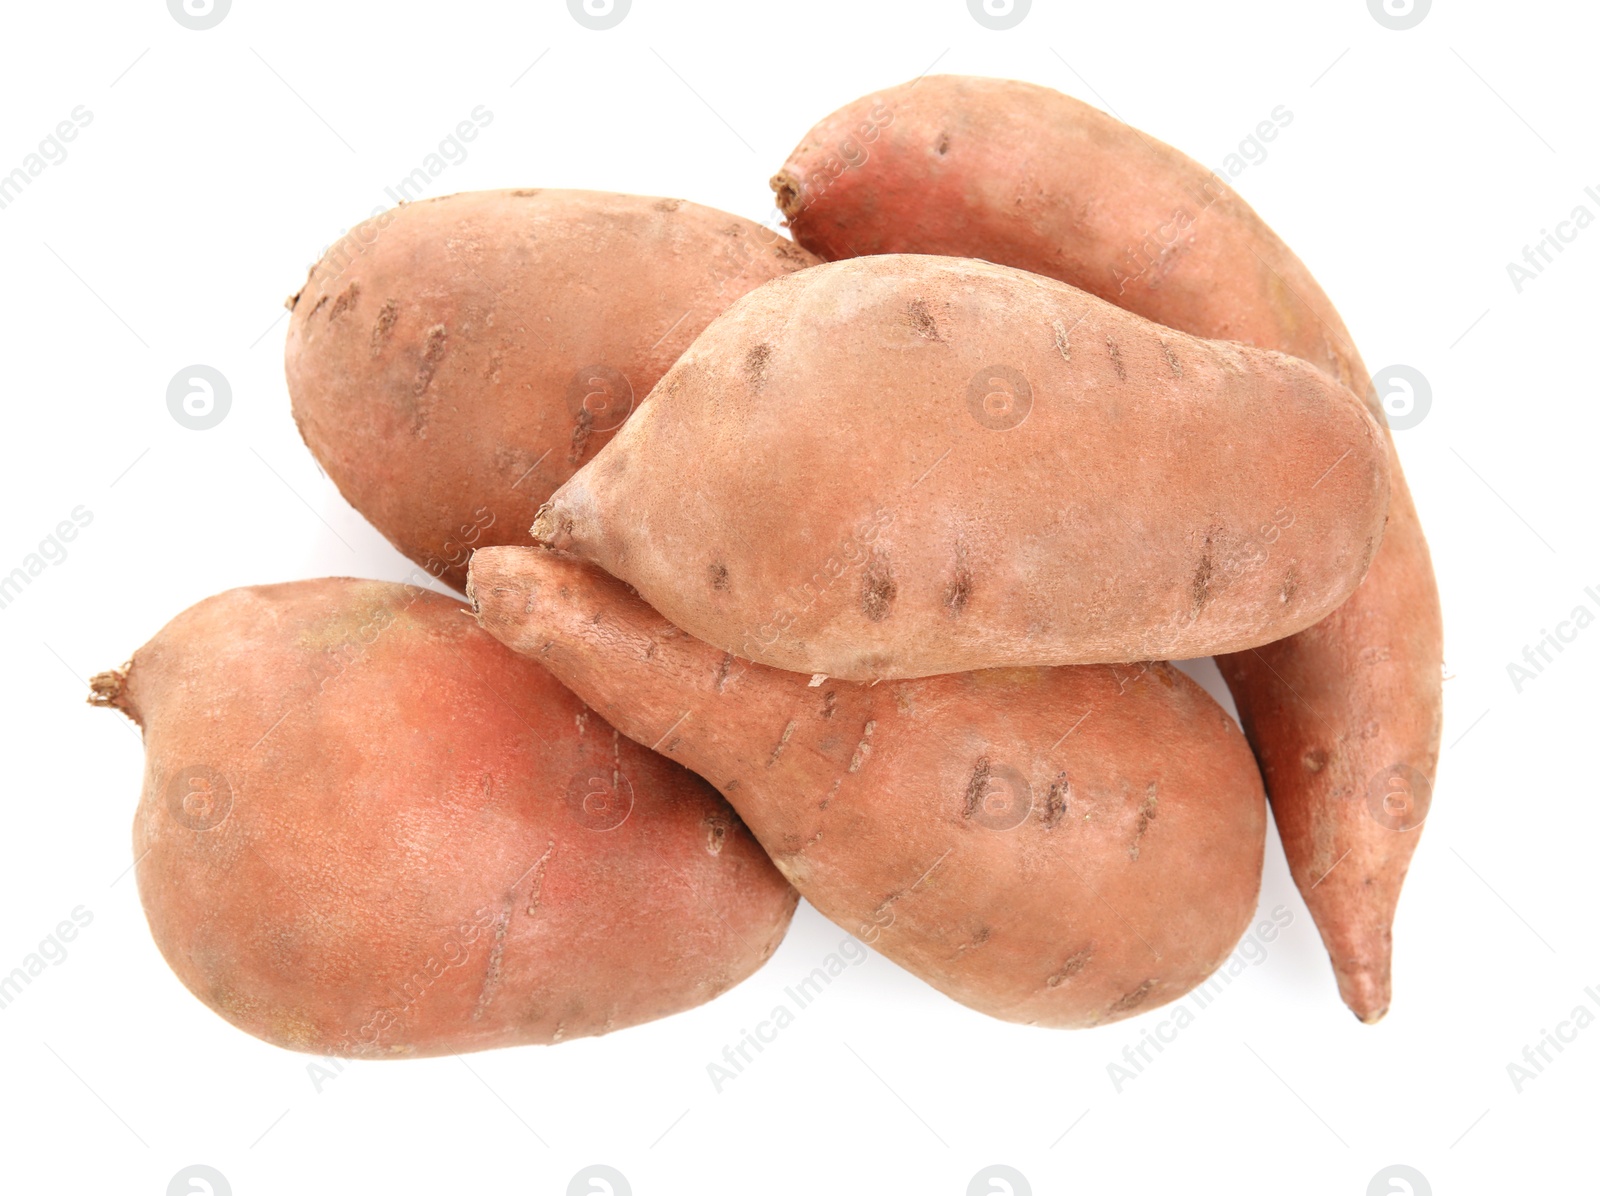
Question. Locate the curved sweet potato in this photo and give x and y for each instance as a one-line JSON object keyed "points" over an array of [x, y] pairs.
{"points": [[368, 829], [1344, 716], [900, 466], [1063, 847], [452, 361]]}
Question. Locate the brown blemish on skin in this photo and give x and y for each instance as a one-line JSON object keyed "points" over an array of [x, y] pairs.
{"points": [[791, 253], [580, 436], [959, 590], [1147, 815], [1290, 587], [384, 324], [433, 350], [1074, 964], [1200, 583], [922, 322], [1130, 1001], [723, 671], [668, 205], [829, 701], [491, 974], [864, 748], [525, 194], [1062, 345], [755, 365], [944, 144], [783, 742], [1116, 359], [536, 884], [321, 303], [979, 937], [716, 833], [1315, 760], [1055, 801], [719, 576], [1172, 359], [877, 591], [347, 299], [977, 787]]}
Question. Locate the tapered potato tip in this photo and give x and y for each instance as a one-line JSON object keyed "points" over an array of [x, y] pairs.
{"points": [[552, 525], [787, 190], [544, 524], [109, 689], [1366, 991], [496, 588]]}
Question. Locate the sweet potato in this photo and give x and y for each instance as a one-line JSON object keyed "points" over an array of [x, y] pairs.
{"points": [[368, 829], [452, 361], [1345, 716], [1063, 847], [900, 466]]}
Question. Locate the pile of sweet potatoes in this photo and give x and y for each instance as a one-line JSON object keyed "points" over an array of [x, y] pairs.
{"points": [[845, 567]]}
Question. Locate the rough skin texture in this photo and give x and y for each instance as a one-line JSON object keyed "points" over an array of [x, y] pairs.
{"points": [[452, 361], [902, 466], [1064, 847], [369, 830], [1344, 717]]}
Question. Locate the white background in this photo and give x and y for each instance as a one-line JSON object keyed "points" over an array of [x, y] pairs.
{"points": [[219, 164]]}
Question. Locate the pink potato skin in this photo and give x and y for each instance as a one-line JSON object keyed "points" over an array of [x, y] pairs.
{"points": [[452, 361], [1059, 847], [821, 482], [369, 830], [1345, 716]]}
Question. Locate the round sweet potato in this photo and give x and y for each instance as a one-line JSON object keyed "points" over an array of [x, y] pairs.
{"points": [[452, 361], [368, 829], [899, 466], [1063, 847]]}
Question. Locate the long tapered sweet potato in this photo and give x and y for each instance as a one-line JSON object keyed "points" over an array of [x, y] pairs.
{"points": [[1057, 846], [451, 362], [907, 465], [1344, 716], [369, 829]]}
